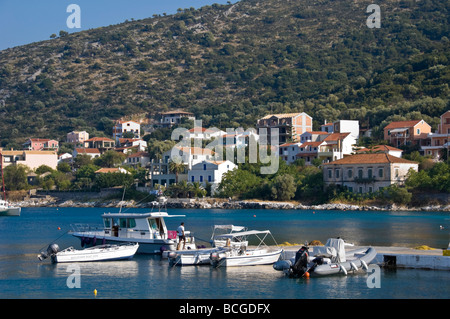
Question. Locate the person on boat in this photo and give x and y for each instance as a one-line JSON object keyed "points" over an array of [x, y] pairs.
{"points": [[181, 236]]}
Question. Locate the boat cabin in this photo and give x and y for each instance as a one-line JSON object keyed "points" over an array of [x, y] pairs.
{"points": [[148, 226]]}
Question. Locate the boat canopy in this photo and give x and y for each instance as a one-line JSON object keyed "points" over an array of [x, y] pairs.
{"points": [[244, 233], [232, 227], [135, 215]]}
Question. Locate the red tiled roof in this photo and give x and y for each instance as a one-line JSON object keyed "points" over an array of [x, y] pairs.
{"points": [[402, 124], [336, 136], [377, 158], [88, 150], [95, 139]]}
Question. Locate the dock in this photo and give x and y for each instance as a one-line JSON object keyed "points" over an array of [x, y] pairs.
{"points": [[398, 257]]}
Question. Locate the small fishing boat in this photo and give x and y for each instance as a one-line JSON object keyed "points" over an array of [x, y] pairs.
{"points": [[200, 255], [230, 256], [6, 209], [96, 253], [149, 230], [330, 259]]}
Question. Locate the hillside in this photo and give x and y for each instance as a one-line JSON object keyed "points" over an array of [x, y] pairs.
{"points": [[231, 64]]}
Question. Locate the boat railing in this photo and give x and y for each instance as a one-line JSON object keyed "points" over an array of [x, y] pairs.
{"points": [[86, 228]]}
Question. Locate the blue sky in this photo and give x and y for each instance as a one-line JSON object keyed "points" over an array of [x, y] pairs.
{"points": [[27, 21]]}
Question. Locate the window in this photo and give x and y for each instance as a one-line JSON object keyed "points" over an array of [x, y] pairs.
{"points": [[350, 189], [369, 173], [337, 173], [418, 131], [192, 179], [380, 172], [209, 178], [204, 167], [349, 173], [360, 173], [396, 172], [370, 189], [330, 173], [201, 178]]}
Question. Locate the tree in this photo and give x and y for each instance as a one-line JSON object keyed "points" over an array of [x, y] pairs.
{"points": [[110, 159], [283, 187], [15, 177], [177, 167]]}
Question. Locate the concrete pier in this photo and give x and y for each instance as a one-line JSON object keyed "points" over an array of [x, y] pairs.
{"points": [[398, 257]]}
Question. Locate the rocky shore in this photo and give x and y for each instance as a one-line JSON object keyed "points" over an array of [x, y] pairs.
{"points": [[221, 204]]}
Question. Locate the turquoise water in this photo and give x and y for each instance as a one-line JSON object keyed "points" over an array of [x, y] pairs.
{"points": [[23, 276]]}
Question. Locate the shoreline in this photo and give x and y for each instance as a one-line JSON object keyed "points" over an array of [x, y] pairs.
{"points": [[222, 204]]}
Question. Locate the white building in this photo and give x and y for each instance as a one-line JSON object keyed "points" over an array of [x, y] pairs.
{"points": [[32, 159], [210, 172], [171, 118], [139, 159], [121, 127], [365, 173], [160, 170], [92, 152], [289, 151], [347, 126]]}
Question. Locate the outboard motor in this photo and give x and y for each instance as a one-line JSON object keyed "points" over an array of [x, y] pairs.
{"points": [[52, 249], [301, 262]]}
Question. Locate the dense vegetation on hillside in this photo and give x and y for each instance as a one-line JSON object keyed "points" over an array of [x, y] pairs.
{"points": [[231, 64]]}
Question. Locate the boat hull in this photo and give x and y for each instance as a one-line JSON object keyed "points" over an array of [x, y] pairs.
{"points": [[333, 269], [101, 253], [248, 259], [146, 246], [190, 257], [12, 211]]}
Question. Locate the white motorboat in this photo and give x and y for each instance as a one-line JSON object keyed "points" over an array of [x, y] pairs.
{"points": [[329, 259], [200, 256], [6, 209], [149, 230], [95, 253], [230, 256]]}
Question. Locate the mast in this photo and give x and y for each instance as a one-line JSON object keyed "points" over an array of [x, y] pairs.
{"points": [[3, 180]]}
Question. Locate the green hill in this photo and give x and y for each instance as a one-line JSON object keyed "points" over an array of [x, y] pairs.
{"points": [[231, 64]]}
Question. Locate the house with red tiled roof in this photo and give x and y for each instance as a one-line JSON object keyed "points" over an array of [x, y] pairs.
{"points": [[364, 173], [439, 140], [381, 149], [403, 133], [138, 159], [332, 147], [103, 144], [41, 144], [289, 126], [92, 152], [122, 127]]}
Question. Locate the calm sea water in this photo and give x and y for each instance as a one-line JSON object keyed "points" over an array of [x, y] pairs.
{"points": [[23, 276]]}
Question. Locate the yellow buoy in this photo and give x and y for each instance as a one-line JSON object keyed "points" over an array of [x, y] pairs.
{"points": [[95, 292]]}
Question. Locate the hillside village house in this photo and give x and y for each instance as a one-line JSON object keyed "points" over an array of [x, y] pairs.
{"points": [[129, 145], [381, 149], [205, 133], [32, 159], [168, 119], [160, 170], [92, 152], [210, 172], [407, 133], [289, 151], [121, 127], [77, 137], [40, 144], [364, 173], [439, 140], [139, 159], [327, 148], [290, 126], [103, 144]]}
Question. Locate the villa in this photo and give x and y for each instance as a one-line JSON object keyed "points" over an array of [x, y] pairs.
{"points": [[365, 173]]}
